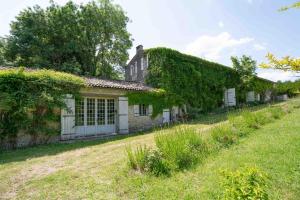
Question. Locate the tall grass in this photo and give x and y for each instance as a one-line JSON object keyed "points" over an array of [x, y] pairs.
{"points": [[182, 148], [138, 159]]}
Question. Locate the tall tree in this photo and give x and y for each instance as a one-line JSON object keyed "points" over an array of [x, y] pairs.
{"points": [[87, 39], [245, 67]]}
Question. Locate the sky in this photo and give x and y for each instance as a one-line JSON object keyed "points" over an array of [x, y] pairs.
{"points": [[211, 29]]}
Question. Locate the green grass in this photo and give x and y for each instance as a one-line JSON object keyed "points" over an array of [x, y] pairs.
{"points": [[98, 169]]}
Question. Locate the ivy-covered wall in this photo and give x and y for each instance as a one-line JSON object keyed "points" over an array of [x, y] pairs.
{"points": [[29, 100], [190, 80]]}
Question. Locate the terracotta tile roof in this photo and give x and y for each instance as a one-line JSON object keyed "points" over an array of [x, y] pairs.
{"points": [[102, 83], [126, 85]]}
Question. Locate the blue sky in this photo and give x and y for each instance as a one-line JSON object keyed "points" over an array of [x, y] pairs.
{"points": [[211, 29]]}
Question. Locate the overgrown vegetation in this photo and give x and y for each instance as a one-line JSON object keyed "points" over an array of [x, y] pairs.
{"points": [[98, 170], [246, 183], [193, 81], [176, 151], [30, 100], [86, 39], [182, 148]]}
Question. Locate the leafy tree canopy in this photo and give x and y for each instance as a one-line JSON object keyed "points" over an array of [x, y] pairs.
{"points": [[245, 67], [87, 39], [294, 5], [286, 63]]}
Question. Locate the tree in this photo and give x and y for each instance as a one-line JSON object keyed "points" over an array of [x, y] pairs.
{"points": [[245, 67], [286, 63], [87, 39], [294, 5]]}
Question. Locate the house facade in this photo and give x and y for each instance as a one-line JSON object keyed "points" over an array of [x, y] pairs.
{"points": [[104, 110]]}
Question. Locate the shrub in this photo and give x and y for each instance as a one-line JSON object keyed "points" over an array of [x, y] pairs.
{"points": [[182, 148], [247, 183], [138, 159], [250, 120], [156, 164], [276, 112], [224, 134]]}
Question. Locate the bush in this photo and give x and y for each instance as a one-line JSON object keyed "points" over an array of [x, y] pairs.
{"points": [[250, 119], [138, 159], [247, 183], [156, 164], [276, 112], [182, 148], [224, 134]]}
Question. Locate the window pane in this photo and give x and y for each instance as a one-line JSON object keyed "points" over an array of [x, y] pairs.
{"points": [[143, 110], [79, 112], [90, 112], [110, 111], [101, 111]]}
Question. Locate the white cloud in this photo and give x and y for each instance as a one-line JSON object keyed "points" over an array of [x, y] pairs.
{"points": [[250, 1], [221, 24], [277, 75], [259, 47], [210, 47]]}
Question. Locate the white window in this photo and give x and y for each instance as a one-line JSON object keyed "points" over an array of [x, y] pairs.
{"points": [[143, 110], [79, 112], [110, 111], [142, 63], [88, 111], [90, 108], [101, 111]]}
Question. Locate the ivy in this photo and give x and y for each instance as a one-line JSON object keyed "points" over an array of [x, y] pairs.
{"points": [[158, 98], [190, 80], [30, 100]]}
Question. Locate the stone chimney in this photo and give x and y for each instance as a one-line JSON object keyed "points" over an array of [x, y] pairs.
{"points": [[139, 48]]}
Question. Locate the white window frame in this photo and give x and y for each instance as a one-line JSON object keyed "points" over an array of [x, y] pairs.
{"points": [[95, 106]]}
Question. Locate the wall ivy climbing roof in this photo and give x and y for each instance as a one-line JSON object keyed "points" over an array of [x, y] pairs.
{"points": [[195, 81]]}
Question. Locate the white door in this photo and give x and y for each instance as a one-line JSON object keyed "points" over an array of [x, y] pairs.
{"points": [[166, 115], [230, 97], [95, 116]]}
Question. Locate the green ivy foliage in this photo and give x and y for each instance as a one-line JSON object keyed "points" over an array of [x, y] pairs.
{"points": [[30, 100], [194, 81], [288, 87], [158, 98]]}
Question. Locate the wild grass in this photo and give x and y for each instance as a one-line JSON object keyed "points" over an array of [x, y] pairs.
{"points": [[138, 159], [183, 148]]}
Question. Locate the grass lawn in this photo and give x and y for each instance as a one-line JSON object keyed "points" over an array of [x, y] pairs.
{"points": [[98, 169]]}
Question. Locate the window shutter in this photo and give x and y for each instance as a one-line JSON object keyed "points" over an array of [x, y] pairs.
{"points": [[136, 110], [68, 116], [150, 110], [142, 63]]}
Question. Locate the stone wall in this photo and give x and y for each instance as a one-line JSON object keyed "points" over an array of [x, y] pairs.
{"points": [[141, 123]]}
